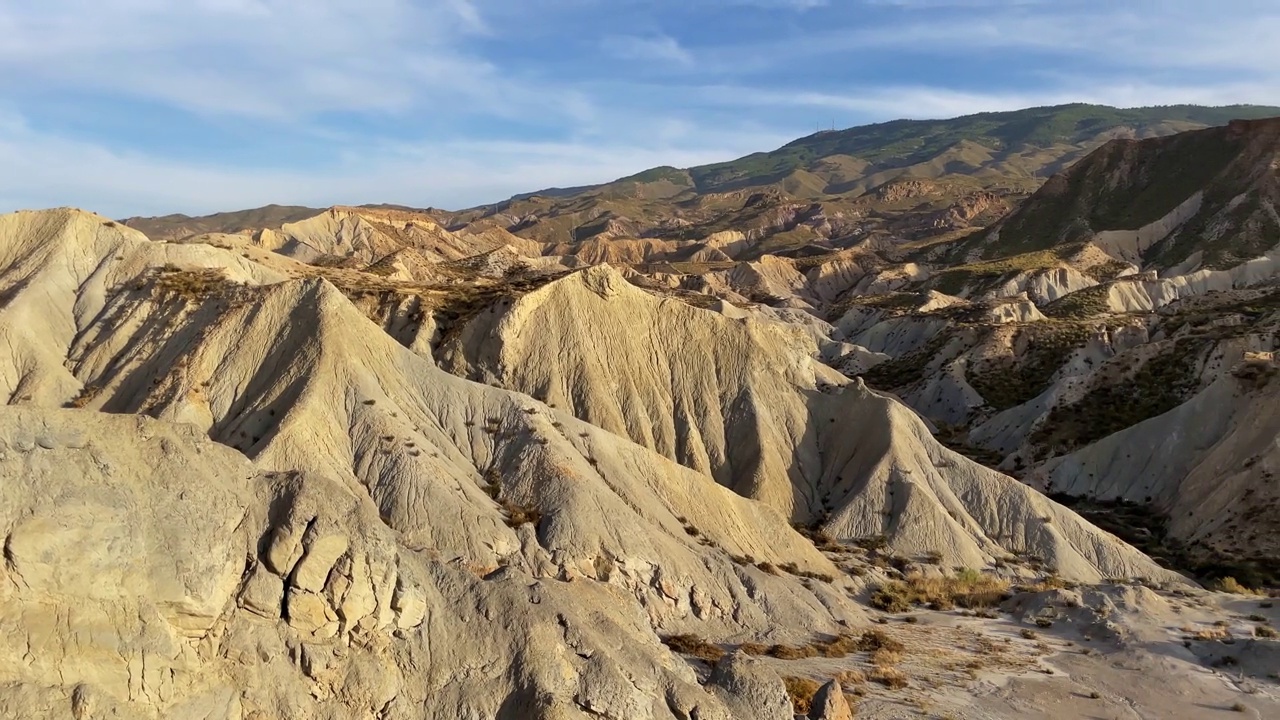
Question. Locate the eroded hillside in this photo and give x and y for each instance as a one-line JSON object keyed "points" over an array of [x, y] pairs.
{"points": [[386, 463]]}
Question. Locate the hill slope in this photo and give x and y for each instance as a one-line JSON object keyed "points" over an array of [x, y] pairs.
{"points": [[306, 518], [973, 169]]}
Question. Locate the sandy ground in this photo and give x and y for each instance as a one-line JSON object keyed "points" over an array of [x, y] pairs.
{"points": [[1125, 653]]}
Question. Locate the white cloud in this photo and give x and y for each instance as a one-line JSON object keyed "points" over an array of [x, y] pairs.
{"points": [[39, 166], [922, 102], [661, 48], [267, 58], [460, 68], [1229, 35]]}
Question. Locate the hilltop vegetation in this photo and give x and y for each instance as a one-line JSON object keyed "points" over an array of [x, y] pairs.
{"points": [[967, 171]]}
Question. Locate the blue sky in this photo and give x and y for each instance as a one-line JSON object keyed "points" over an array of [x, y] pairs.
{"points": [[154, 106]]}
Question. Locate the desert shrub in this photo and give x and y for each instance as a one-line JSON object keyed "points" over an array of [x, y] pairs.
{"points": [[518, 515], [1217, 632], [1265, 631], [836, 647], [873, 640], [801, 692], [792, 652], [190, 284], [890, 677], [968, 589], [85, 396], [752, 648], [849, 678], [695, 645], [884, 657], [839, 646], [1231, 585]]}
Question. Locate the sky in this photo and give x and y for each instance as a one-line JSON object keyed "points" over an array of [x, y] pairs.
{"points": [[143, 107]]}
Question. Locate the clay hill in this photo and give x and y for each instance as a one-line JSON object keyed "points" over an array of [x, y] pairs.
{"points": [[378, 462]]}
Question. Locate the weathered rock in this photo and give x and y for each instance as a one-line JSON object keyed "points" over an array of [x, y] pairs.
{"points": [[750, 689], [262, 593], [313, 569], [830, 703]]}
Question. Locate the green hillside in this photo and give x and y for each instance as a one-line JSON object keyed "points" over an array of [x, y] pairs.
{"points": [[906, 142]]}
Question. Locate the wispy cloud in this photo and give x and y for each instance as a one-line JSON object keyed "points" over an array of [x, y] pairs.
{"points": [[270, 58], [923, 102], [457, 102], [660, 48], [40, 167]]}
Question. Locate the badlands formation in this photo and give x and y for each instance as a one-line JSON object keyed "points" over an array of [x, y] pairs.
{"points": [[379, 463]]}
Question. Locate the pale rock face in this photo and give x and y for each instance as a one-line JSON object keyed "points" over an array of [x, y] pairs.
{"points": [[1129, 245], [174, 626], [1203, 463], [830, 703], [815, 445], [750, 689], [1044, 286], [303, 518], [1018, 309]]}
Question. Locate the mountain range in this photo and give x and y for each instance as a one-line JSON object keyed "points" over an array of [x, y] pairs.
{"points": [[963, 418]]}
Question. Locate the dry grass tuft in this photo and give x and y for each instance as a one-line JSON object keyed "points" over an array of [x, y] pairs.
{"points": [[518, 515], [968, 589], [695, 645], [886, 658], [1231, 585], [837, 647], [190, 284], [850, 678], [1216, 632], [873, 640], [801, 691], [890, 677], [84, 397], [792, 652]]}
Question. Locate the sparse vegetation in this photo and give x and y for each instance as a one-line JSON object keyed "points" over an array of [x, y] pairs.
{"points": [[1007, 382], [85, 396], [1081, 304], [517, 515], [850, 678], [890, 677], [172, 281], [979, 276], [695, 645], [968, 589], [1161, 384], [1231, 585], [801, 692], [1211, 634]]}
